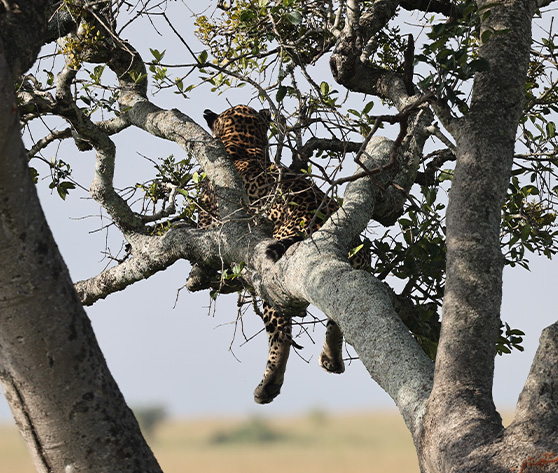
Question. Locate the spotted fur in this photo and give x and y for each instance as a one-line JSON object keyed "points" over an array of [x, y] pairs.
{"points": [[295, 206]]}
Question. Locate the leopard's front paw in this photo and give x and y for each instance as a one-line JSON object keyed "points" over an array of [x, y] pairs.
{"points": [[276, 250]]}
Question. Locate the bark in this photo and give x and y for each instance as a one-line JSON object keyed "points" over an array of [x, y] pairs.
{"points": [[462, 430], [62, 395], [22, 42]]}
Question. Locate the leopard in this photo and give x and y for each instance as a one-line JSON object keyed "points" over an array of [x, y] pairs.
{"points": [[296, 207]]}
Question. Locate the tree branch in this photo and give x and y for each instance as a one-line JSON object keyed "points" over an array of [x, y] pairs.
{"points": [[347, 66], [152, 254], [323, 144], [102, 189], [363, 309], [536, 414], [439, 158], [444, 7], [461, 399]]}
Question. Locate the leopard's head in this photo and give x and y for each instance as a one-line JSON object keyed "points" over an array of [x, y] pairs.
{"points": [[240, 127]]}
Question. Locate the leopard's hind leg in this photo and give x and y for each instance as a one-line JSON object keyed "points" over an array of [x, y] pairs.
{"points": [[331, 357], [279, 335]]}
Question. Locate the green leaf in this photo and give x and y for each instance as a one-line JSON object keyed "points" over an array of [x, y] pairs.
{"points": [[63, 189], [50, 77], [237, 269], [281, 92], [308, 170], [525, 232], [355, 250], [445, 175], [137, 78], [486, 35], [202, 58], [529, 190], [367, 108], [294, 17], [247, 15], [34, 174], [157, 55], [479, 65]]}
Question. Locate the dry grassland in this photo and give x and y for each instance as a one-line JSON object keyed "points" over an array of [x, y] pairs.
{"points": [[356, 443]]}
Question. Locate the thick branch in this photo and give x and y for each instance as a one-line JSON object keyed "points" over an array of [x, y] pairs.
{"points": [[22, 28], [461, 400], [154, 255], [485, 150], [444, 7], [363, 307], [353, 71], [536, 415], [102, 188]]}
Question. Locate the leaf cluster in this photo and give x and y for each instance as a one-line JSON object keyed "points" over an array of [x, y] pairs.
{"points": [[452, 53], [173, 173], [271, 47], [528, 225]]}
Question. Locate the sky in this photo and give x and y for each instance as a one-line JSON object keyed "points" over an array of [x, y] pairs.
{"points": [[168, 347]]}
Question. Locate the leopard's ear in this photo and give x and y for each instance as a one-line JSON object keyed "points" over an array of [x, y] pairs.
{"points": [[210, 118], [266, 115]]}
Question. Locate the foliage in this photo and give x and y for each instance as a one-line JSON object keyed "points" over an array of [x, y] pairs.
{"points": [[277, 49], [452, 53], [86, 39], [528, 224], [60, 171], [177, 176]]}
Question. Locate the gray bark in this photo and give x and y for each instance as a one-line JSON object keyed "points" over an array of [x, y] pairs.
{"points": [[22, 43], [461, 420], [62, 395]]}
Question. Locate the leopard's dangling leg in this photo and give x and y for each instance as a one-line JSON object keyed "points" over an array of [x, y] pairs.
{"points": [[279, 335], [331, 357]]}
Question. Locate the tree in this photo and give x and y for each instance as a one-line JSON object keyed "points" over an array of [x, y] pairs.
{"points": [[480, 72]]}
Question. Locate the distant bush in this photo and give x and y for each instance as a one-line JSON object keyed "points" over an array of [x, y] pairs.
{"points": [[317, 416], [149, 417], [255, 430]]}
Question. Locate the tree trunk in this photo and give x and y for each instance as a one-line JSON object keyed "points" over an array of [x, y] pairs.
{"points": [[462, 431], [62, 395]]}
